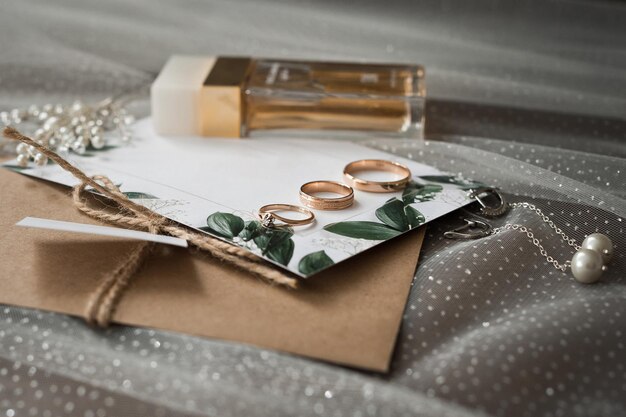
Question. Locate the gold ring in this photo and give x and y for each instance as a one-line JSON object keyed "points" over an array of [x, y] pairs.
{"points": [[268, 215], [350, 171], [308, 198]]}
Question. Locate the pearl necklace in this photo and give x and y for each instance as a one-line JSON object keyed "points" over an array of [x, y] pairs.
{"points": [[589, 261]]}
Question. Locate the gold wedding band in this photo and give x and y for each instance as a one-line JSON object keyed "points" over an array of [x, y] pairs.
{"points": [[268, 215], [345, 199], [353, 168]]}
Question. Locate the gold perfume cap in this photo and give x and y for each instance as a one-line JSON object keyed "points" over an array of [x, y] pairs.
{"points": [[221, 97]]}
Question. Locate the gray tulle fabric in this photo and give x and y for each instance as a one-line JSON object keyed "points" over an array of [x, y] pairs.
{"points": [[527, 96]]}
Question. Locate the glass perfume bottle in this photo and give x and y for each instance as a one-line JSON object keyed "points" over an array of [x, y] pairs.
{"points": [[242, 97]]}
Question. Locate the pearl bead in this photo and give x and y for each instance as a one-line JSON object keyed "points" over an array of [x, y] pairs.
{"points": [[80, 149], [33, 110], [84, 140], [22, 149], [98, 142], [22, 161], [41, 159], [16, 114], [601, 244], [587, 266], [50, 123]]}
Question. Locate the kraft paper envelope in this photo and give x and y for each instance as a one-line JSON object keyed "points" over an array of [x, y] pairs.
{"points": [[349, 314]]}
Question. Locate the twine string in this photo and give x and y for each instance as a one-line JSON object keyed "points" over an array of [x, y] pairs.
{"points": [[104, 299]]}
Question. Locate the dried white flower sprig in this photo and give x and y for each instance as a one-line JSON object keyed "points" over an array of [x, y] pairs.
{"points": [[69, 128]]}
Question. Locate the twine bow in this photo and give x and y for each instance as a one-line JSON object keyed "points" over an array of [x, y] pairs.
{"points": [[106, 296]]}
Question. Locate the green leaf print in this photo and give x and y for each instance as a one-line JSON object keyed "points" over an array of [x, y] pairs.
{"points": [[393, 215], [133, 195], [314, 262], [225, 224], [363, 230], [282, 253], [418, 193]]}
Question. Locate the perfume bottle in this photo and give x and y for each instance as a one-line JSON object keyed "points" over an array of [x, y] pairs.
{"points": [[248, 97]]}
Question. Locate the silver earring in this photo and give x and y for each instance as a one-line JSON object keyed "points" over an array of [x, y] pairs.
{"points": [[479, 194]]}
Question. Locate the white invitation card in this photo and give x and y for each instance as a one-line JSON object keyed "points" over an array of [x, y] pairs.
{"points": [[218, 185]]}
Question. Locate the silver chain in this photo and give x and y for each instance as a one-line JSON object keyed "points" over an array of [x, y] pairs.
{"points": [[523, 229]]}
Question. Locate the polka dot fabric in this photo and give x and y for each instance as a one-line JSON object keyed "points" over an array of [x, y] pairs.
{"points": [[525, 96], [482, 330]]}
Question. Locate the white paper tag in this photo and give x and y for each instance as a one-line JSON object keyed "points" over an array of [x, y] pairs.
{"points": [[99, 230]]}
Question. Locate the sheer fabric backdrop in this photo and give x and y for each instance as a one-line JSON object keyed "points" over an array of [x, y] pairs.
{"points": [[490, 328]]}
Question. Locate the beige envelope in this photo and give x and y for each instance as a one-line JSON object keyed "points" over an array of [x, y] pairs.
{"points": [[349, 314]]}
